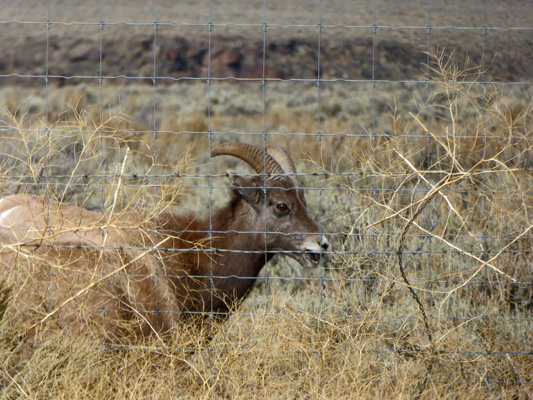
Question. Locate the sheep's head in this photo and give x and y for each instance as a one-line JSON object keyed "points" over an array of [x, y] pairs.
{"points": [[278, 202]]}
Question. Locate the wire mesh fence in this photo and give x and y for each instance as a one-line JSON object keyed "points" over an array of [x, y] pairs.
{"points": [[409, 124]]}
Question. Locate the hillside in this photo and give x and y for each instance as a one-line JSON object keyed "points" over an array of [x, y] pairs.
{"points": [[77, 45]]}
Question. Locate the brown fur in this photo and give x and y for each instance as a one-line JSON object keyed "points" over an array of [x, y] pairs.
{"points": [[137, 273]]}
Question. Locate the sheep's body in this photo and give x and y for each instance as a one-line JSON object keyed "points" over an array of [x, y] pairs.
{"points": [[110, 270], [143, 272]]}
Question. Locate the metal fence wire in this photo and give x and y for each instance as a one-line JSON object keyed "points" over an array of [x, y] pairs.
{"points": [[410, 125]]}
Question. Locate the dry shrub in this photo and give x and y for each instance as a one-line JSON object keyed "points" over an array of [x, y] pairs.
{"points": [[82, 161], [449, 221]]}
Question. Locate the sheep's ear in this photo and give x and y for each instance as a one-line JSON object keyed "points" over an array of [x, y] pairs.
{"points": [[246, 186]]}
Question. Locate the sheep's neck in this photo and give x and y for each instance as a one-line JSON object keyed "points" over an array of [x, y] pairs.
{"points": [[231, 269], [240, 245]]}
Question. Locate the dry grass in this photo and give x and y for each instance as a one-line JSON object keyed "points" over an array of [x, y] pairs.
{"points": [[428, 292]]}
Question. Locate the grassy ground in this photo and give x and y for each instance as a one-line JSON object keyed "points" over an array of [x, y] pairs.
{"points": [[444, 176]]}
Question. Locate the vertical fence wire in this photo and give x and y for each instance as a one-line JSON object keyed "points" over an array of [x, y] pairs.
{"points": [[210, 144], [264, 132], [101, 134]]}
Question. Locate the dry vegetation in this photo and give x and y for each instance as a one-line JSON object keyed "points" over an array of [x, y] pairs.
{"points": [[428, 292]]}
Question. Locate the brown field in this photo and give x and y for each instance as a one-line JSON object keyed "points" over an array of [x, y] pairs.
{"points": [[425, 192]]}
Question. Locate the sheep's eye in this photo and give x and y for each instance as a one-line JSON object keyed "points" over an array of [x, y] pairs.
{"points": [[282, 207]]}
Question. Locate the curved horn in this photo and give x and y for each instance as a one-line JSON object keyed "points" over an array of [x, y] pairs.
{"points": [[282, 157], [262, 163], [285, 161]]}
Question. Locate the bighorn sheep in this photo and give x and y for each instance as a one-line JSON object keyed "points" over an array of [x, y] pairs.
{"points": [[148, 272]]}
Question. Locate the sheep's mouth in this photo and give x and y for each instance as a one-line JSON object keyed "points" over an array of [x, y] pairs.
{"points": [[308, 258], [314, 257]]}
